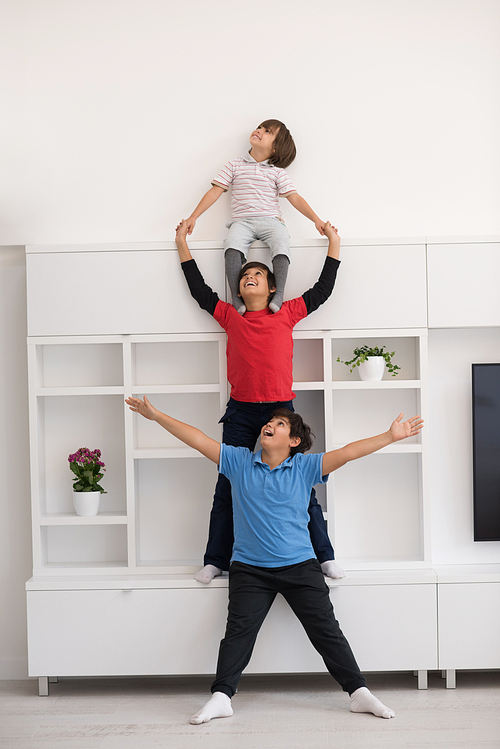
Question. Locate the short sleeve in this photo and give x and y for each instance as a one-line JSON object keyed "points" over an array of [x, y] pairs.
{"points": [[225, 177], [311, 468], [231, 460], [284, 183]]}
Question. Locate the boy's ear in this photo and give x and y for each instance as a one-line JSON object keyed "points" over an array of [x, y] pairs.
{"points": [[272, 289], [295, 442]]}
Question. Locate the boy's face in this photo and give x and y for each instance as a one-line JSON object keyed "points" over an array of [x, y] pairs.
{"points": [[262, 138], [276, 434], [254, 285]]}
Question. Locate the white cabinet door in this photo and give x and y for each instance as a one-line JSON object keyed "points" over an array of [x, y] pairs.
{"points": [[464, 285], [120, 632], [106, 293], [469, 617], [369, 280]]}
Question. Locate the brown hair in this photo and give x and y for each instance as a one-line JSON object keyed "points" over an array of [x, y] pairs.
{"points": [[284, 147], [297, 429], [271, 280]]}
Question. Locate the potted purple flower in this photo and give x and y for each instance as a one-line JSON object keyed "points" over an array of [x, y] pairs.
{"points": [[88, 469]]}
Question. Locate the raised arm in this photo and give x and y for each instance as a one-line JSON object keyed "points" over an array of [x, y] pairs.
{"points": [[333, 240], [188, 434], [323, 287], [181, 231], [199, 290], [305, 209], [354, 450], [205, 203]]}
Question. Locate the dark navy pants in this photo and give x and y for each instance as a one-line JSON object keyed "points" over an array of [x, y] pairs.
{"points": [[252, 591], [242, 423]]}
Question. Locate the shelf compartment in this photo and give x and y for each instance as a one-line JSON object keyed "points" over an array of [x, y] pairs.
{"points": [[173, 503], [79, 365], [202, 410], [66, 423], [308, 360], [357, 414], [406, 356], [175, 363], [84, 545], [378, 509]]}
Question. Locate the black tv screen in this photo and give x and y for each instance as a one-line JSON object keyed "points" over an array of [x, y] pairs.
{"points": [[486, 450]]}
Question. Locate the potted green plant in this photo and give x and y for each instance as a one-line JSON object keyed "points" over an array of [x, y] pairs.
{"points": [[88, 469], [371, 362]]}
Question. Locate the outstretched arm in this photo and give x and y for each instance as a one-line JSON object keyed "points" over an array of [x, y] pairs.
{"points": [[205, 203], [354, 450], [303, 207], [188, 434]]}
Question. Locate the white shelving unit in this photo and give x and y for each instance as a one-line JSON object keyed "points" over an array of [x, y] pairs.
{"points": [[77, 398], [154, 514], [134, 562]]}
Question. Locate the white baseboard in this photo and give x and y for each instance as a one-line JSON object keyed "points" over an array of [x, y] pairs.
{"points": [[13, 669]]}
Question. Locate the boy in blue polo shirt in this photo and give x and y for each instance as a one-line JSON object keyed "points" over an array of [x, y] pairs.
{"points": [[272, 550]]}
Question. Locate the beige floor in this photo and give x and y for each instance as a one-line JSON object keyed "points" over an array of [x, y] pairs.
{"points": [[271, 712]]}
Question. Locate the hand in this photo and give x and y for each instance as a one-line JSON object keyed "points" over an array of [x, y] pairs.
{"points": [[330, 231], [190, 223], [182, 229], [400, 431], [142, 407], [320, 226]]}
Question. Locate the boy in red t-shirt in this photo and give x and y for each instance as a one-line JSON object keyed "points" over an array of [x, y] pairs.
{"points": [[260, 372]]}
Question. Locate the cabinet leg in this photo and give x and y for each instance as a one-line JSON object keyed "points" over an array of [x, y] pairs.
{"points": [[43, 686], [53, 679], [443, 674], [451, 678], [422, 679]]}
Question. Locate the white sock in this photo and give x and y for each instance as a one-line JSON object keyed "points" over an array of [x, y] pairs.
{"points": [[363, 701], [218, 706], [330, 568], [208, 573]]}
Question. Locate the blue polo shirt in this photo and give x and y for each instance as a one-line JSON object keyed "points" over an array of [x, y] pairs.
{"points": [[270, 508]]}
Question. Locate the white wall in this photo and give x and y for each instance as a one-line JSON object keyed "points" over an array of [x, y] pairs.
{"points": [[120, 112], [15, 541], [117, 113]]}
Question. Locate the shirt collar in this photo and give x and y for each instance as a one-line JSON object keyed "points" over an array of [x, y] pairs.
{"points": [[258, 459], [248, 157]]}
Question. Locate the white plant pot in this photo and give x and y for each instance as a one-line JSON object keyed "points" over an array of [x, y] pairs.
{"points": [[86, 503], [372, 368]]}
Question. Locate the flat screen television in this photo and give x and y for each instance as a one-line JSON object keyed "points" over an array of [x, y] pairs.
{"points": [[486, 450]]}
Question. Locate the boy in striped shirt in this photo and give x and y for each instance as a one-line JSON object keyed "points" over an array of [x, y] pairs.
{"points": [[258, 180]]}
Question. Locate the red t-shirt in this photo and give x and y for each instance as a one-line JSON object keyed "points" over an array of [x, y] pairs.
{"points": [[260, 350]]}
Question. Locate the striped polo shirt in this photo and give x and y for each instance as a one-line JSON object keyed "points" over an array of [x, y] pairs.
{"points": [[256, 187]]}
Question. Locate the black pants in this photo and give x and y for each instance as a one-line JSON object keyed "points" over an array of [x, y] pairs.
{"points": [[252, 591], [242, 423]]}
